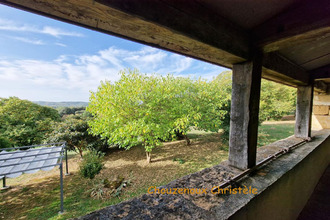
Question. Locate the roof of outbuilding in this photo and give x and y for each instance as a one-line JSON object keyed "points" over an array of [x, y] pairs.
{"points": [[15, 163]]}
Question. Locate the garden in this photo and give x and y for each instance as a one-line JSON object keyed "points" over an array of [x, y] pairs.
{"points": [[141, 131]]}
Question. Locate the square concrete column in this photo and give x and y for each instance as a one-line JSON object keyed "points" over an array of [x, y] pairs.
{"points": [[304, 109], [244, 114]]}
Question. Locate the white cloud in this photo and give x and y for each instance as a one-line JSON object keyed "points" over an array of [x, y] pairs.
{"points": [[57, 32], [30, 41], [60, 44], [9, 25], [72, 77]]}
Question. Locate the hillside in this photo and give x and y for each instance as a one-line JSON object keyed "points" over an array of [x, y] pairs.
{"points": [[62, 104]]}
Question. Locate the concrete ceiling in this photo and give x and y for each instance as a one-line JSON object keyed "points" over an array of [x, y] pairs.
{"points": [[249, 13], [293, 35]]}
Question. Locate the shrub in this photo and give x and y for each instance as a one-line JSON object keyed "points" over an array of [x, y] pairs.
{"points": [[92, 164], [181, 161], [5, 143]]}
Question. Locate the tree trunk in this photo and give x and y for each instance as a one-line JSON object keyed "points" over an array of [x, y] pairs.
{"points": [[148, 157], [187, 139], [81, 152], [79, 147]]}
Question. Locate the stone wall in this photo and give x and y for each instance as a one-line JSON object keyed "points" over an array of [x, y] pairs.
{"points": [[321, 113]]}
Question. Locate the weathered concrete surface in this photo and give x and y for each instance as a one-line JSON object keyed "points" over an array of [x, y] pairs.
{"points": [[296, 176], [244, 114], [304, 111], [279, 176]]}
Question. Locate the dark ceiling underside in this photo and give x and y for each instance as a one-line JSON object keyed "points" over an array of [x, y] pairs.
{"points": [[293, 35]]}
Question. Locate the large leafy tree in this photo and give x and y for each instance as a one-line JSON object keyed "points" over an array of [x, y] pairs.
{"points": [[74, 130], [142, 109], [276, 100], [224, 81], [23, 122]]}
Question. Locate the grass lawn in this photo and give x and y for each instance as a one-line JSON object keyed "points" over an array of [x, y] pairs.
{"points": [[36, 196], [270, 132]]}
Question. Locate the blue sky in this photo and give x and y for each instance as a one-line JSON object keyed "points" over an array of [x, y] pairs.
{"points": [[42, 59]]}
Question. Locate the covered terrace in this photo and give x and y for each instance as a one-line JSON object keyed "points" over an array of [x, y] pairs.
{"points": [[287, 41]]}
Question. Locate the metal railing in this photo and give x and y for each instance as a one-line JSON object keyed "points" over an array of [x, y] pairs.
{"points": [[232, 181]]}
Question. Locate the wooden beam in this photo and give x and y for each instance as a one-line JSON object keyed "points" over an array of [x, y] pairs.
{"points": [[280, 69], [171, 25], [192, 20], [245, 113], [304, 111], [302, 22], [300, 39], [153, 23], [321, 73], [321, 87]]}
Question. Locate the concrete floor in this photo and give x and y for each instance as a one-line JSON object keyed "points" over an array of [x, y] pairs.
{"points": [[318, 205]]}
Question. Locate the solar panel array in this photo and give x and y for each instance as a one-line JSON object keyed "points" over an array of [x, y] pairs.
{"points": [[15, 163]]}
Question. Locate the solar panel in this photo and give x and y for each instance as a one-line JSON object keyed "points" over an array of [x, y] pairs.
{"points": [[30, 159], [15, 163]]}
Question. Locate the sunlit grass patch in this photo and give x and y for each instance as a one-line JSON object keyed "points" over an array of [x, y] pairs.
{"points": [[271, 132]]}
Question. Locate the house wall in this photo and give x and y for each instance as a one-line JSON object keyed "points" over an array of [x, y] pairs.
{"points": [[321, 113]]}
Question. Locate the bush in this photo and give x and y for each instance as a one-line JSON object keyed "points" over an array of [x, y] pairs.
{"points": [[5, 143], [92, 164]]}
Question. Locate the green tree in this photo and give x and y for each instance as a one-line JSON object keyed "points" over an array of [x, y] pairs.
{"points": [[202, 104], [276, 100], [141, 109], [23, 122], [224, 81], [74, 130], [71, 110]]}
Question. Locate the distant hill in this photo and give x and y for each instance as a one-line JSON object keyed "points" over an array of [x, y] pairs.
{"points": [[62, 104]]}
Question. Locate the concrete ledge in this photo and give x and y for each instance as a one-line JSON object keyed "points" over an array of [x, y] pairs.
{"points": [[283, 185], [296, 174]]}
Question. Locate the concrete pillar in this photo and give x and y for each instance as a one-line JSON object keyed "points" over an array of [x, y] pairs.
{"points": [[244, 114], [304, 111]]}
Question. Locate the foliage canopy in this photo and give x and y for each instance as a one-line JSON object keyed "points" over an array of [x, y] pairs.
{"points": [[23, 122], [147, 109], [74, 130], [276, 100]]}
